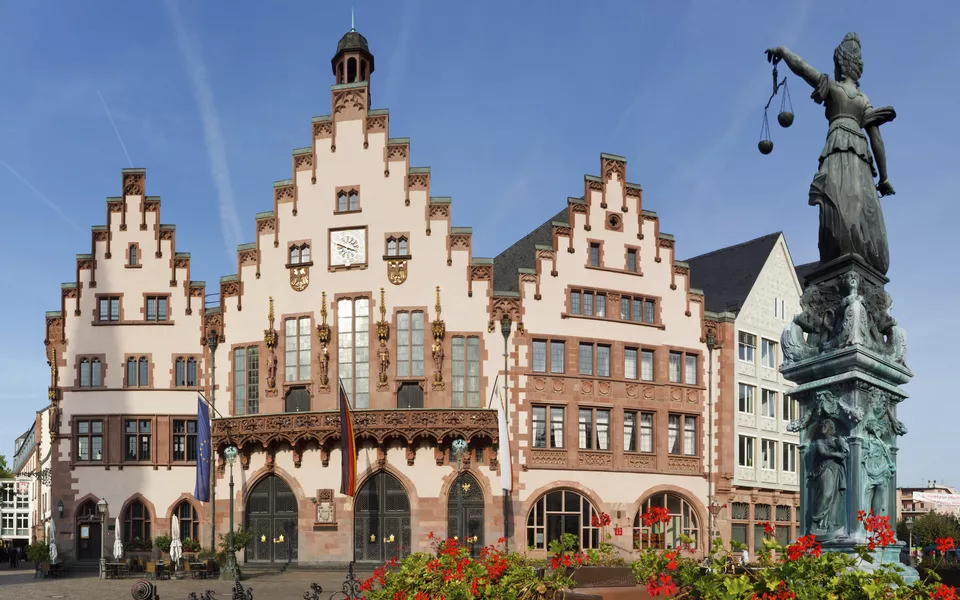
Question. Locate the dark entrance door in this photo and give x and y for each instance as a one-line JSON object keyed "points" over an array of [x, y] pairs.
{"points": [[271, 517], [381, 527], [89, 532], [470, 503]]}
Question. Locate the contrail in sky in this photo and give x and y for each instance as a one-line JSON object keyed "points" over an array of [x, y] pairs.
{"points": [[48, 201], [213, 139], [117, 131]]}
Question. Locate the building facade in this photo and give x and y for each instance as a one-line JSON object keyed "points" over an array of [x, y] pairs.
{"points": [[913, 502], [588, 327], [752, 291], [15, 512]]}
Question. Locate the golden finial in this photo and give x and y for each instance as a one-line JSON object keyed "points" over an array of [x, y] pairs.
{"points": [[323, 306], [53, 367], [270, 314], [383, 308], [438, 303]]}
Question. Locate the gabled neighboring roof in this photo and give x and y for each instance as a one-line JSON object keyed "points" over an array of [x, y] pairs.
{"points": [[522, 254], [804, 270], [727, 275]]}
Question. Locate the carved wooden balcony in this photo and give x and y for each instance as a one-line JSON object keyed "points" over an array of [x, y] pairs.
{"points": [[407, 425]]}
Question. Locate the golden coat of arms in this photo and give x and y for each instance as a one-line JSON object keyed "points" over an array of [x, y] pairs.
{"points": [[299, 278], [397, 271]]}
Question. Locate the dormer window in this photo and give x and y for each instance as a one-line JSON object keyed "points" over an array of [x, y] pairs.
{"points": [[300, 254], [398, 245], [348, 200]]}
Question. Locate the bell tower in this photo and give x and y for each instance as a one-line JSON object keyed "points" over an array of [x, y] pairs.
{"points": [[353, 62]]}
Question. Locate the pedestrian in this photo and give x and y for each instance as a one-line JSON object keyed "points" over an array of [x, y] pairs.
{"points": [[744, 557]]}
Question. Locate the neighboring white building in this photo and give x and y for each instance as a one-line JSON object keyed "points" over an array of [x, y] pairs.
{"points": [[15, 521], [753, 290]]}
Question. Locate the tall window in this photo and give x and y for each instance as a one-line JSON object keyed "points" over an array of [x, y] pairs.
{"points": [[184, 440], [603, 360], [297, 349], [747, 345], [91, 374], [630, 363], [676, 362], [560, 512], [789, 463], [156, 308], [109, 308], [768, 454], [690, 370], [790, 411], [646, 365], [138, 372], [353, 348], [547, 434], [746, 451], [747, 395], [89, 436], [594, 254], [132, 255], [683, 522], [246, 380], [137, 434], [136, 522], [646, 432], [629, 431], [586, 359], [185, 372], [687, 445], [768, 354], [466, 371], [632, 260], [189, 522], [541, 356], [768, 403], [594, 429], [410, 344], [557, 350], [690, 436]]}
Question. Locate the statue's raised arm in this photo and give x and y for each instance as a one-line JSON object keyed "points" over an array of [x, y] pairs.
{"points": [[799, 66]]}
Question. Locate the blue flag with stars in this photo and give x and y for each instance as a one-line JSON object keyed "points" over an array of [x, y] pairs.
{"points": [[204, 452]]}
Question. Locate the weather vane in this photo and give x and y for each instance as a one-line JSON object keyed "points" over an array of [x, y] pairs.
{"points": [[785, 118]]}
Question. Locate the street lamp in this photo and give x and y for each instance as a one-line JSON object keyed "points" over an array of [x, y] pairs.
{"points": [[102, 508], [715, 508], [230, 570], [213, 340], [60, 508], [505, 323], [459, 447], [909, 524]]}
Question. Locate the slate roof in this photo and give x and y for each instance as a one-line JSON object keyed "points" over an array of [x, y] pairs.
{"points": [[522, 254], [727, 275], [804, 270]]}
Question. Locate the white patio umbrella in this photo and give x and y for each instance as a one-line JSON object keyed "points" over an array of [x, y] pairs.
{"points": [[117, 544], [53, 542], [176, 547]]}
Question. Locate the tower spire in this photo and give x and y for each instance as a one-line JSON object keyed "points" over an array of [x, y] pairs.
{"points": [[352, 27]]}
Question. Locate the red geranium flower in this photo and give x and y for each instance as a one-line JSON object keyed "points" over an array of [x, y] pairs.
{"points": [[768, 529], [944, 544], [944, 592]]}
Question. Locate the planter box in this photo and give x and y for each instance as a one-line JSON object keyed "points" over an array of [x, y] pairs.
{"points": [[596, 577]]}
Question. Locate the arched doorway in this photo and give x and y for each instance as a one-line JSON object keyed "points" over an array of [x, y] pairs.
{"points": [[271, 517], [466, 494], [381, 526], [89, 532], [666, 536], [559, 512]]}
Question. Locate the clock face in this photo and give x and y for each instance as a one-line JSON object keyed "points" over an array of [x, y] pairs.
{"points": [[348, 247]]}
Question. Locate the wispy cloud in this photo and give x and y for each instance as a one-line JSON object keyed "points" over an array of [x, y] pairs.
{"points": [[40, 195], [400, 57], [213, 139], [115, 130]]}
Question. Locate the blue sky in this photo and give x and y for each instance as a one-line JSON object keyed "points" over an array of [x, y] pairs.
{"points": [[509, 103]]}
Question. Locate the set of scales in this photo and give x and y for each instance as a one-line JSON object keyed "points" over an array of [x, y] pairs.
{"points": [[784, 118]]}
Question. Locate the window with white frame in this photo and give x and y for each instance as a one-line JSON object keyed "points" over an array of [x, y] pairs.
{"points": [[768, 403], [594, 429], [746, 451], [547, 433], [296, 362], [410, 343], [646, 365], [630, 363], [686, 443], [246, 380], [790, 453], [353, 348], [547, 353], [746, 398], [676, 365], [466, 371], [768, 454], [746, 346], [768, 353], [790, 411]]}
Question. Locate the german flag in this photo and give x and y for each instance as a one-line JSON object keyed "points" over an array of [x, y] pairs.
{"points": [[348, 447]]}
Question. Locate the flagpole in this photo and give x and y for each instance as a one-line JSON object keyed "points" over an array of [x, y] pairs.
{"points": [[505, 323], [213, 339]]}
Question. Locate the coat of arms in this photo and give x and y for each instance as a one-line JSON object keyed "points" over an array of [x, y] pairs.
{"points": [[299, 278], [397, 271]]}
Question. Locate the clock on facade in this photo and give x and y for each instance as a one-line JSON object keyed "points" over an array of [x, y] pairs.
{"points": [[348, 247]]}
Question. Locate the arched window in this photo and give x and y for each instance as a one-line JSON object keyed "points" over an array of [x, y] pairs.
{"points": [[133, 255], [341, 201], [144, 372], [354, 200], [363, 70], [189, 523], [87, 510], [294, 255], [132, 372], [96, 375], [305, 253], [558, 513], [136, 522], [84, 373], [351, 70], [391, 247], [403, 247], [180, 372], [192, 372], [683, 521]]}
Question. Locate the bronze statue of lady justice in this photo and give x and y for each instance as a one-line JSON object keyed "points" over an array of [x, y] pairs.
{"points": [[851, 220]]}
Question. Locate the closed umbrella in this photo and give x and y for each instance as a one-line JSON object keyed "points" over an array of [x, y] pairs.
{"points": [[176, 547], [117, 544], [53, 543]]}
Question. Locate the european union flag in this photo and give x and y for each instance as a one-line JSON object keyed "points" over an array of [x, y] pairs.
{"points": [[204, 452]]}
